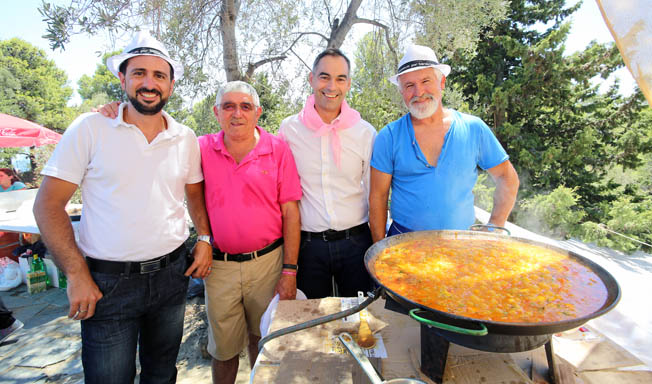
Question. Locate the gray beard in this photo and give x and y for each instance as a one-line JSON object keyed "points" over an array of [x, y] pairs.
{"points": [[425, 111]]}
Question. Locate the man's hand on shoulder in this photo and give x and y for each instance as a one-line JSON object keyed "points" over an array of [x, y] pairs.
{"points": [[202, 254], [286, 287], [109, 110]]}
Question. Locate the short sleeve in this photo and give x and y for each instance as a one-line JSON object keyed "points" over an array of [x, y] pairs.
{"points": [[71, 156], [491, 152], [289, 188], [195, 174], [382, 155]]}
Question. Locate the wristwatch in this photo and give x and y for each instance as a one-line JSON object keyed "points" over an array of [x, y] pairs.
{"points": [[205, 239]]}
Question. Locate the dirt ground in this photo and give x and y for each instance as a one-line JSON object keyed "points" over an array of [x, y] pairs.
{"points": [[194, 362], [48, 348]]}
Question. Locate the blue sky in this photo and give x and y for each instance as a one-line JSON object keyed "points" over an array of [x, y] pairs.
{"points": [[20, 18]]}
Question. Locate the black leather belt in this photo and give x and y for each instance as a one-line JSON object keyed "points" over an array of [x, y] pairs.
{"points": [[333, 235], [126, 267], [240, 257]]}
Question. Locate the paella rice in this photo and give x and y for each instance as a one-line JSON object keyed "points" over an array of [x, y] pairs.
{"points": [[497, 280]]}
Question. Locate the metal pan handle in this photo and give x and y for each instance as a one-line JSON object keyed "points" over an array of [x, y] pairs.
{"points": [[360, 357], [489, 228], [447, 327]]}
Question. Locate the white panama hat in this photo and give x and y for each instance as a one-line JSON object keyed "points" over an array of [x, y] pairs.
{"points": [[143, 44], [419, 57]]}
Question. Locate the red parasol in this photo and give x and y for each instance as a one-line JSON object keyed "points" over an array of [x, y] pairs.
{"points": [[17, 132]]}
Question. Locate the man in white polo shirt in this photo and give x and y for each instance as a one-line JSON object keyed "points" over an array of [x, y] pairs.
{"points": [[128, 274]]}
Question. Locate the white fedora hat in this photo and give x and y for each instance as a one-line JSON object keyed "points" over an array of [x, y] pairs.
{"points": [[419, 57], [143, 44]]}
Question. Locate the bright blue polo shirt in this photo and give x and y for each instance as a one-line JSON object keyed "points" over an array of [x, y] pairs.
{"points": [[426, 197]]}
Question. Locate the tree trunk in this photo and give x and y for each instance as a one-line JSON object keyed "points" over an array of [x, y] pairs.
{"points": [[228, 16], [339, 31]]}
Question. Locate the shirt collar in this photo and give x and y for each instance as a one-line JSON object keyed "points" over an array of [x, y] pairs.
{"points": [[172, 130], [309, 116], [263, 147]]}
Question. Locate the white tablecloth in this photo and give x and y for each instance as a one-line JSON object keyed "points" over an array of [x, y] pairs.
{"points": [[16, 212]]}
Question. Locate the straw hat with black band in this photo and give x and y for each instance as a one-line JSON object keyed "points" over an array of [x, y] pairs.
{"points": [[143, 44], [419, 57]]}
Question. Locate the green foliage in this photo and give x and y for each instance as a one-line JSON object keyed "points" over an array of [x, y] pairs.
{"points": [[557, 128], [629, 225], [464, 21], [633, 219], [95, 101], [193, 31], [626, 226], [557, 212], [201, 119], [102, 82], [273, 98], [377, 100], [6, 154], [483, 191], [31, 85], [275, 102], [561, 133]]}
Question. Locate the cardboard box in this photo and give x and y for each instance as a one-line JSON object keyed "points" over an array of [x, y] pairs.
{"points": [[53, 271], [36, 282]]}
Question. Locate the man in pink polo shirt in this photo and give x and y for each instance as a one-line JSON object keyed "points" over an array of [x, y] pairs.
{"points": [[252, 191]]}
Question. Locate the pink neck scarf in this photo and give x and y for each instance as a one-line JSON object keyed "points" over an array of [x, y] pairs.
{"points": [[310, 118]]}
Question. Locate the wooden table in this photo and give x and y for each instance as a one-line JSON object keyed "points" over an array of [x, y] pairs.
{"points": [[305, 356]]}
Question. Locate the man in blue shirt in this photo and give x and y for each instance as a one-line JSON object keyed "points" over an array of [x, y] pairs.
{"points": [[430, 158]]}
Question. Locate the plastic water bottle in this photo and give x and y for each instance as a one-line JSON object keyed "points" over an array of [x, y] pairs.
{"points": [[42, 267], [63, 282], [37, 277]]}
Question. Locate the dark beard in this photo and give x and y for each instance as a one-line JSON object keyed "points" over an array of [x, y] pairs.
{"points": [[147, 109]]}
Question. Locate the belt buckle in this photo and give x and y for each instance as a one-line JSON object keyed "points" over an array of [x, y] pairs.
{"points": [[327, 233], [150, 266]]}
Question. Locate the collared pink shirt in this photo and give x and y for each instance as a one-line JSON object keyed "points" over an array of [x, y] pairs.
{"points": [[244, 200]]}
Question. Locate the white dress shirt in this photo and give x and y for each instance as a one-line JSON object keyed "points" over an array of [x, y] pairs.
{"points": [[333, 198]]}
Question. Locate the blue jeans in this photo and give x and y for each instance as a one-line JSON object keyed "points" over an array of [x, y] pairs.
{"points": [[397, 228], [320, 261], [145, 309]]}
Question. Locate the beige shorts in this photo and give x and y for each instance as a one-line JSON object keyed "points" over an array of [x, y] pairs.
{"points": [[237, 295]]}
